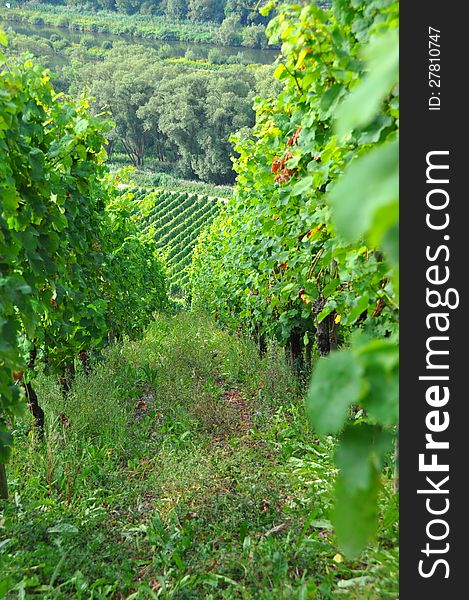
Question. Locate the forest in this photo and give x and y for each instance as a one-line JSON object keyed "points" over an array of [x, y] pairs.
{"points": [[193, 10], [245, 12], [199, 300], [173, 113]]}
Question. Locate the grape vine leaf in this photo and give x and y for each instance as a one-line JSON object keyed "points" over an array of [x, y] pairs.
{"points": [[370, 183], [361, 106], [359, 458], [336, 385]]}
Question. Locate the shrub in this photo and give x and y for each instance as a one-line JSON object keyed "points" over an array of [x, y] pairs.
{"points": [[38, 21], [88, 42], [216, 57], [190, 55]]}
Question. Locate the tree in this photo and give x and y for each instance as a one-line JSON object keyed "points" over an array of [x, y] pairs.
{"points": [[254, 36], [176, 9], [198, 114], [229, 31], [122, 84], [206, 10], [107, 4], [129, 7], [151, 7], [177, 113], [246, 10]]}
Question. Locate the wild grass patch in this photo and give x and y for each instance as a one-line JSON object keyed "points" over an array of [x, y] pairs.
{"points": [[153, 490]]}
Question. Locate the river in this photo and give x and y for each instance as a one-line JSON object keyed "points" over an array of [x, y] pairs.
{"points": [[174, 49]]}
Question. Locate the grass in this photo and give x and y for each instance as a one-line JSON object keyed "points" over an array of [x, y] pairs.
{"points": [[153, 177], [182, 468]]}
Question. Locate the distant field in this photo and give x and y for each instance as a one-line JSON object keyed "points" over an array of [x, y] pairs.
{"points": [[176, 220]]}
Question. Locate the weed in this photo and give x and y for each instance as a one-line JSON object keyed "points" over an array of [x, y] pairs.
{"points": [[186, 470]]}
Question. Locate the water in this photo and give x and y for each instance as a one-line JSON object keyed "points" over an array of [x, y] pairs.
{"points": [[174, 49]]}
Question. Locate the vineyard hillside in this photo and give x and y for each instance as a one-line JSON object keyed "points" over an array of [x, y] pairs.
{"points": [[176, 219], [199, 303]]}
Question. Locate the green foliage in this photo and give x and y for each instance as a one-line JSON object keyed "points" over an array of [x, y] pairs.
{"points": [[360, 459], [365, 204], [335, 386], [365, 375], [180, 112], [197, 113], [176, 9], [281, 255], [205, 10], [135, 287], [368, 205], [150, 99], [67, 251], [174, 220], [172, 20], [157, 487], [305, 250], [308, 245], [148, 180], [229, 32], [254, 36]]}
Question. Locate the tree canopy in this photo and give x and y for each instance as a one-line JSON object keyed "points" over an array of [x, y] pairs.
{"points": [[195, 10]]}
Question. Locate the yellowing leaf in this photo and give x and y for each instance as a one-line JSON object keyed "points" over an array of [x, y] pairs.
{"points": [[279, 71], [301, 58], [338, 558]]}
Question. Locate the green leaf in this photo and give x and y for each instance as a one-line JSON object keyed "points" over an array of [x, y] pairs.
{"points": [[330, 98], [63, 528], [370, 183], [10, 199], [81, 126], [330, 288], [287, 289], [280, 72], [373, 132], [326, 311], [355, 582], [5, 586], [302, 186], [6, 442], [36, 160], [292, 163], [363, 103], [360, 458], [390, 244], [360, 306], [385, 230], [381, 364], [335, 385], [361, 451], [321, 524], [355, 515]]}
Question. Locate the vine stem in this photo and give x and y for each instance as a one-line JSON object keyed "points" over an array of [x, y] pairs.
{"points": [[315, 262], [3, 483]]}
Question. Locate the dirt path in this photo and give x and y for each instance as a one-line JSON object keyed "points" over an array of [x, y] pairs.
{"points": [[238, 403]]}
